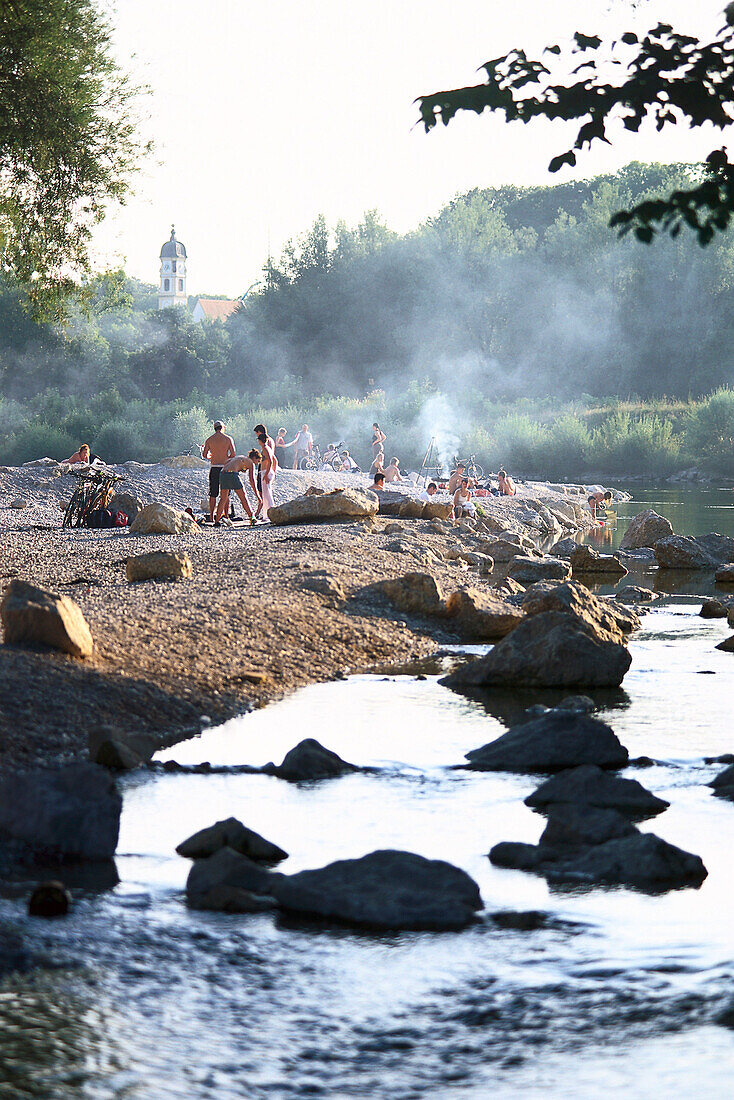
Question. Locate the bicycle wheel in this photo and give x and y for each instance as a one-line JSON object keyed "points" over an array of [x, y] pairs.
{"points": [[476, 471], [74, 509]]}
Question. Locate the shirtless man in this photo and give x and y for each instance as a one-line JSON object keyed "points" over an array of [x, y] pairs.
{"points": [[219, 448], [392, 472], [506, 484], [596, 499], [229, 479], [455, 479], [302, 445]]}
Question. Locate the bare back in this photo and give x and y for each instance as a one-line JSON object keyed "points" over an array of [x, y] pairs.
{"points": [[219, 448]]}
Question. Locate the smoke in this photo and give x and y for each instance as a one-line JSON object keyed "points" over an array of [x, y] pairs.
{"points": [[438, 424]]}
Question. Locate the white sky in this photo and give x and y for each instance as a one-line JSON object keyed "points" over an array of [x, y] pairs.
{"points": [[265, 114]]}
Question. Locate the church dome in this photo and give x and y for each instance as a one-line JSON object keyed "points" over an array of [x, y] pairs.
{"points": [[173, 249]]}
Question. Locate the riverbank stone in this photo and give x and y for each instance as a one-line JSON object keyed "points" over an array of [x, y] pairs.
{"points": [[589, 785], [482, 616], [551, 742], [584, 559], [159, 565], [416, 593], [335, 505], [160, 519], [35, 616], [120, 750], [725, 575], [72, 812], [682, 552], [576, 599], [309, 760], [389, 890], [528, 570], [645, 530], [230, 833]]}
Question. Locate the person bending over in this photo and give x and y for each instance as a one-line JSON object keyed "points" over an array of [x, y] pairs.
{"points": [[429, 492], [229, 480], [219, 448], [506, 484], [597, 499], [392, 472]]}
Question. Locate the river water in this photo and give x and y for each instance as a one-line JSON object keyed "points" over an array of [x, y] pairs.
{"points": [[139, 997]]}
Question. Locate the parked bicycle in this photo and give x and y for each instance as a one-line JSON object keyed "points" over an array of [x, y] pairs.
{"points": [[93, 492], [473, 469]]}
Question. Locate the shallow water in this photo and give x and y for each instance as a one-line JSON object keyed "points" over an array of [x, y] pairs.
{"points": [[692, 511], [146, 999]]}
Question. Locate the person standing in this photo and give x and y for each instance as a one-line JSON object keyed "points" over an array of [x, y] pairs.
{"points": [[219, 448], [268, 467], [378, 438], [281, 445], [229, 480], [303, 444]]}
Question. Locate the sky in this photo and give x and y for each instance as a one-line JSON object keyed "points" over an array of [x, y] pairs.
{"points": [[266, 114]]}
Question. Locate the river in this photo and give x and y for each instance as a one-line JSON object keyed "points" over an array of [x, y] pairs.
{"points": [[143, 999]]}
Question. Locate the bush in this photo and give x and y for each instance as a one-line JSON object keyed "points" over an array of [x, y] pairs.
{"points": [[121, 440], [635, 445], [39, 440], [710, 430], [188, 430]]}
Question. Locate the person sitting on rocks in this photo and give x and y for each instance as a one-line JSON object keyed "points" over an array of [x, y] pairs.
{"points": [[378, 462], [83, 455], [463, 503], [506, 484], [596, 499], [429, 492], [327, 458], [229, 479], [455, 479], [379, 481], [348, 463], [392, 472]]}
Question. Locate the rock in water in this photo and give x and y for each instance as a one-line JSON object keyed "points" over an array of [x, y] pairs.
{"points": [[232, 899], [716, 608], [646, 529], [69, 813], [159, 519], [161, 564], [339, 504], [310, 760], [119, 749], [231, 834], [227, 868], [584, 559], [576, 599], [552, 742], [49, 899], [551, 649], [418, 593], [387, 889], [528, 570], [588, 785], [682, 552], [633, 593], [725, 574], [727, 646], [35, 616], [482, 616]]}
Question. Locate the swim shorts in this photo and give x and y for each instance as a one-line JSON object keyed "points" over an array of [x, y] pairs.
{"points": [[214, 473], [229, 480]]}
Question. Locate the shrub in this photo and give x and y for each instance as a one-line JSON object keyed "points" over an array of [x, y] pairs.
{"points": [[39, 440], [710, 430], [188, 430], [122, 440]]}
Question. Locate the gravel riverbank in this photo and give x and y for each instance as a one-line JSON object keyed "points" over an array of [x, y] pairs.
{"points": [[246, 629]]}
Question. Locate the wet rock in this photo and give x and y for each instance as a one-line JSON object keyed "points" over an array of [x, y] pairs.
{"points": [[482, 616], [336, 505], [161, 564], [575, 599], [645, 530], [119, 749], [231, 833], [633, 593], [640, 860], [386, 889], [71, 812], [551, 742], [727, 646], [723, 784], [573, 826], [227, 868], [49, 899], [682, 552], [585, 559], [717, 607], [160, 519], [506, 550], [232, 899], [725, 574], [529, 920], [564, 548], [310, 760], [528, 570], [34, 616], [414, 592], [588, 785], [550, 649]]}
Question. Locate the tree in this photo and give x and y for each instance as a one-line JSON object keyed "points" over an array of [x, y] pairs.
{"points": [[667, 77], [68, 141]]}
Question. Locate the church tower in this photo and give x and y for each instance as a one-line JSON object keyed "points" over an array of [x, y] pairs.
{"points": [[172, 291]]}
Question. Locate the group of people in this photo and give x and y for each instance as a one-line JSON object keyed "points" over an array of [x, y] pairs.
{"points": [[260, 465]]}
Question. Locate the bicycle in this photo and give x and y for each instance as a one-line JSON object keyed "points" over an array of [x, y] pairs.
{"points": [[473, 469], [91, 493]]}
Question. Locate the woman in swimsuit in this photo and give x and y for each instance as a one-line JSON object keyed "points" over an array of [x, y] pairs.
{"points": [[268, 468], [463, 503]]}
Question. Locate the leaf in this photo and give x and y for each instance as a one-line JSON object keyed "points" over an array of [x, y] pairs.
{"points": [[558, 162]]}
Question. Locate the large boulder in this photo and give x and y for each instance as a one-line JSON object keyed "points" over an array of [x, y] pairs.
{"points": [[725, 575], [634, 593], [128, 503], [309, 760], [390, 890], [437, 509], [120, 750], [635, 859], [588, 785], [646, 529], [716, 607], [551, 742], [160, 565], [576, 599], [551, 649], [34, 616], [337, 505], [225, 867], [71, 812], [160, 519], [528, 570], [231, 833], [572, 826], [682, 552], [584, 559], [482, 616], [418, 593], [720, 547], [506, 550]]}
